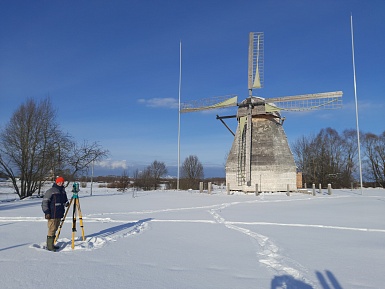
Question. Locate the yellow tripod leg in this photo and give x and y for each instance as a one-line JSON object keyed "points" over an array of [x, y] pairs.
{"points": [[62, 222], [74, 225], [81, 219]]}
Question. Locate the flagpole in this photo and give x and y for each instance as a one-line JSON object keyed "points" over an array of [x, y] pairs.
{"points": [[180, 85], [355, 97], [92, 175]]}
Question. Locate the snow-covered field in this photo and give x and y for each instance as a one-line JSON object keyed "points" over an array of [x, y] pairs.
{"points": [[170, 239]]}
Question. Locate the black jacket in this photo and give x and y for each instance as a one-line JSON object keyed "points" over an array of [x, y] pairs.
{"points": [[54, 201]]}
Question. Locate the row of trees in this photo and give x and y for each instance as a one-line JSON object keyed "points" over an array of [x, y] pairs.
{"points": [[151, 177], [330, 157], [33, 149]]}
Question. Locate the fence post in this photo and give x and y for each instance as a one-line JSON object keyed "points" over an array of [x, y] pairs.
{"points": [[320, 188], [200, 187], [329, 189], [288, 190], [209, 188]]}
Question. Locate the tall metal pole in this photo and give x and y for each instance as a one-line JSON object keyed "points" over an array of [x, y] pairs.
{"points": [[180, 85], [92, 175], [355, 97]]}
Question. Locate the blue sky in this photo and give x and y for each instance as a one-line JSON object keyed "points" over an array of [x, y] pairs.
{"points": [[111, 68]]}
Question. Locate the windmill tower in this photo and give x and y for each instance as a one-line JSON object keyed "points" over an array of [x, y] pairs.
{"points": [[260, 153]]}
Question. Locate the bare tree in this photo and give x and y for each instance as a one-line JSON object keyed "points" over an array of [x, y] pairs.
{"points": [[33, 148], [79, 158], [301, 151], [26, 144], [157, 170], [374, 146], [144, 180], [124, 181], [150, 177], [350, 152], [192, 172]]}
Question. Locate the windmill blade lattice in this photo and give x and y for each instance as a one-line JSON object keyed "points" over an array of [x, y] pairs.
{"points": [[256, 60], [209, 103], [325, 100]]}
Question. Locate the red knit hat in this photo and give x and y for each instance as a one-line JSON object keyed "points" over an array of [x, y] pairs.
{"points": [[59, 180]]}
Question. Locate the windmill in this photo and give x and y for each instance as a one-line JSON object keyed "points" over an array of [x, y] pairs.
{"points": [[260, 153]]}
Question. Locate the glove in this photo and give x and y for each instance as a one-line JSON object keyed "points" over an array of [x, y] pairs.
{"points": [[47, 216], [67, 204]]}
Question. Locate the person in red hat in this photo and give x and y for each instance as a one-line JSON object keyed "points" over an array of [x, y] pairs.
{"points": [[54, 201]]}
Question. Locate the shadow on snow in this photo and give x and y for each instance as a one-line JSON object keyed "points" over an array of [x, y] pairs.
{"points": [[12, 247], [10, 205], [289, 282], [113, 230]]}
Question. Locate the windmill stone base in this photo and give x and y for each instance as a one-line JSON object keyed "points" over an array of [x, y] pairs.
{"points": [[271, 164]]}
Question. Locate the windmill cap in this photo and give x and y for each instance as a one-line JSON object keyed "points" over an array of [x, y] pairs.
{"points": [[59, 180]]}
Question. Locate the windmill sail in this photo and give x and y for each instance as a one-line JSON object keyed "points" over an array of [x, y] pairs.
{"points": [[210, 103], [257, 78], [325, 100], [255, 60]]}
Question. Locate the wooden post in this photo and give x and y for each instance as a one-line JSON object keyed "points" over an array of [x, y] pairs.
{"points": [[200, 187], [329, 189]]}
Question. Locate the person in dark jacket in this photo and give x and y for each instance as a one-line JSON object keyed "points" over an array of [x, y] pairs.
{"points": [[54, 202]]}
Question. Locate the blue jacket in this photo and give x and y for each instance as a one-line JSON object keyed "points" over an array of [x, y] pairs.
{"points": [[54, 201]]}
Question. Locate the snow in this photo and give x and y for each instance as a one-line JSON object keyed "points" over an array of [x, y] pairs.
{"points": [[186, 239]]}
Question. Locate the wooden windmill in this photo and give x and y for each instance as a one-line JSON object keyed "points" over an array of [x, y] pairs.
{"points": [[260, 153]]}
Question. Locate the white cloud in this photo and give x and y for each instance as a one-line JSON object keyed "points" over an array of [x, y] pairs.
{"points": [[167, 102], [110, 164]]}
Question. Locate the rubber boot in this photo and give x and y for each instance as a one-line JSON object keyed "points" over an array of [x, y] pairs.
{"points": [[50, 246]]}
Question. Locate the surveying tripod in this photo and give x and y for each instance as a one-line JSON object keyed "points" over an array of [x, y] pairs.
{"points": [[76, 210]]}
